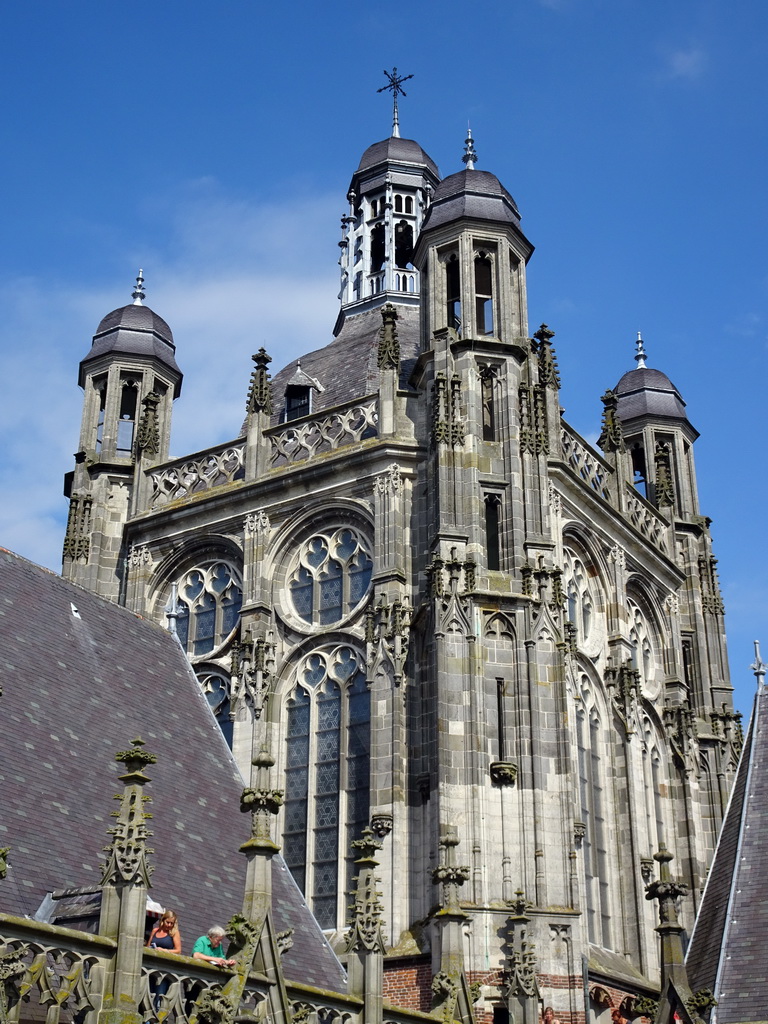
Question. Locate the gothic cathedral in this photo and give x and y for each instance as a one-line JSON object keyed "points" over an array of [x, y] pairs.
{"points": [[442, 612]]}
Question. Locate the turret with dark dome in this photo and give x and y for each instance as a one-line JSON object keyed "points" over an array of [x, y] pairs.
{"points": [[134, 330], [647, 393]]}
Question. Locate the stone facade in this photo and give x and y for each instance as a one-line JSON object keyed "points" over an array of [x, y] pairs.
{"points": [[442, 612]]}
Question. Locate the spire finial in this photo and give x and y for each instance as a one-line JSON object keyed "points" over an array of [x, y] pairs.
{"points": [[759, 667], [469, 151], [138, 292], [641, 354], [396, 85]]}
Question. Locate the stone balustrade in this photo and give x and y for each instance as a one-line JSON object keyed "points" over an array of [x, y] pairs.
{"points": [[647, 520], [586, 463], [182, 477], [335, 428]]}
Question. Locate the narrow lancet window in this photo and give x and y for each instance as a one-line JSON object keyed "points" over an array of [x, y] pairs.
{"points": [[377, 248], [493, 531], [453, 293], [489, 407], [102, 391], [127, 422], [483, 295], [403, 245]]}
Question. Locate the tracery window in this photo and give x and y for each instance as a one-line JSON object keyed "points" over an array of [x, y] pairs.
{"points": [[216, 688], [327, 775], [331, 577], [641, 638], [579, 599], [209, 600], [593, 773]]}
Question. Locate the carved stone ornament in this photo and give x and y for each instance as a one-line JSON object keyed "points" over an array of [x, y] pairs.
{"points": [[148, 434], [139, 555], [260, 390], [447, 424], [612, 437], [381, 825], [503, 773], [77, 539], [253, 665], [389, 346], [389, 482], [127, 853], [365, 926], [257, 522], [579, 832], [548, 372], [261, 802], [4, 851]]}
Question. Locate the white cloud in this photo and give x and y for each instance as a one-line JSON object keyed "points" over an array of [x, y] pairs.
{"points": [[233, 277], [685, 63]]}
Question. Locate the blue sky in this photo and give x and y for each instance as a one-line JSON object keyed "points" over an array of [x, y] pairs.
{"points": [[213, 145]]}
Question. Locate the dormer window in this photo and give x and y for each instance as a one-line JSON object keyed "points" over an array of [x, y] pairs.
{"points": [[297, 401]]}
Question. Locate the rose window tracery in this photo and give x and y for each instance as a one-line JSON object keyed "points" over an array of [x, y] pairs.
{"points": [[331, 576]]}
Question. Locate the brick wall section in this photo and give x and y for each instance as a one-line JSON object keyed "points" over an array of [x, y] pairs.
{"points": [[408, 984]]}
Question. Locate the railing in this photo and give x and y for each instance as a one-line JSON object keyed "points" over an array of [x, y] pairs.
{"points": [[586, 463], [62, 971], [344, 425], [59, 969], [182, 477], [647, 520]]}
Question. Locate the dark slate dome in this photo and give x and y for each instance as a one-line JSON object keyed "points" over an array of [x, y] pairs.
{"points": [[135, 318], [476, 194], [396, 150], [134, 331], [646, 392]]}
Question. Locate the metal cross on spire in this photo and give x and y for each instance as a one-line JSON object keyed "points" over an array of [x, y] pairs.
{"points": [[396, 85]]}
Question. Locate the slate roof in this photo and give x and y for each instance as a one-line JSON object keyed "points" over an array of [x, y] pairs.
{"points": [[475, 194], [396, 150], [134, 330], [81, 678], [647, 392], [347, 368], [727, 951]]}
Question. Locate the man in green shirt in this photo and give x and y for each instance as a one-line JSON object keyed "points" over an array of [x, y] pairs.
{"points": [[209, 947]]}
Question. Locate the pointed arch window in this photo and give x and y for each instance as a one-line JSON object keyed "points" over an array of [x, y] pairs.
{"points": [[453, 292], [483, 294], [493, 531], [100, 386], [126, 426], [208, 606], [377, 248], [327, 775], [593, 798], [216, 688], [403, 245], [331, 576]]}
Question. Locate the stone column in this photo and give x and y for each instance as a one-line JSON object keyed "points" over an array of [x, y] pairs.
{"points": [[124, 891], [365, 941]]}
